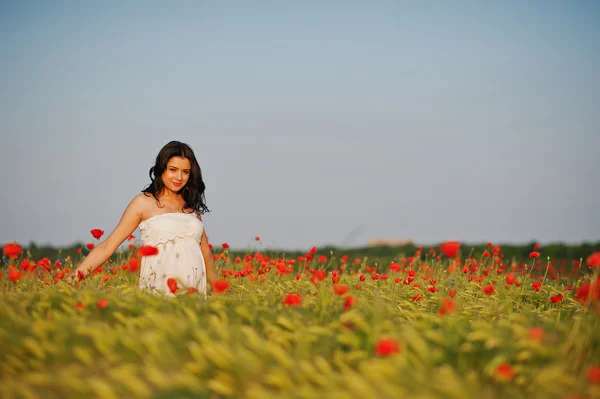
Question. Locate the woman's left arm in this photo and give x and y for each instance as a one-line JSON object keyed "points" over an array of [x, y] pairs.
{"points": [[211, 270]]}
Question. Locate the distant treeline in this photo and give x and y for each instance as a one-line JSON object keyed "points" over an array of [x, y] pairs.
{"points": [[557, 251]]}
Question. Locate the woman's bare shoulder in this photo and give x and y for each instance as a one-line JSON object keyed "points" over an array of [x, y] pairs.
{"points": [[142, 199], [141, 203]]}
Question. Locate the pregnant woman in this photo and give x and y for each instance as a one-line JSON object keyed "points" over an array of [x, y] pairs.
{"points": [[168, 213]]}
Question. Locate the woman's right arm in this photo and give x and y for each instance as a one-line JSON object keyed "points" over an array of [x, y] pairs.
{"points": [[130, 220]]}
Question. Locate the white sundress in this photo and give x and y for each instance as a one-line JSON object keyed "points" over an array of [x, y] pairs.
{"points": [[177, 237]]}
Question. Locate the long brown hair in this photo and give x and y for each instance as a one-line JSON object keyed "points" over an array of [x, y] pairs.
{"points": [[193, 191]]}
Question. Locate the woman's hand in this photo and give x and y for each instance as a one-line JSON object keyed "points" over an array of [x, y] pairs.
{"points": [[71, 279]]}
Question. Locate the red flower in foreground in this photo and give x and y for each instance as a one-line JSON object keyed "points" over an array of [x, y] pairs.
{"points": [[450, 248], [102, 303], [349, 302], [488, 289], [588, 292], [594, 374], [534, 254], [14, 274], [594, 260], [220, 286], [12, 250], [537, 333], [448, 306], [172, 284], [452, 293], [148, 250], [556, 298], [80, 275], [340, 289], [387, 347], [292, 300], [510, 278], [225, 245], [97, 233], [505, 372]]}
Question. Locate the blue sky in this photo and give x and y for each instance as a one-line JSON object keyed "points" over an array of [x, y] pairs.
{"points": [[314, 122]]}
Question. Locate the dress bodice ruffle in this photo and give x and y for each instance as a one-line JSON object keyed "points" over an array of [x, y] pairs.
{"points": [[170, 228]]}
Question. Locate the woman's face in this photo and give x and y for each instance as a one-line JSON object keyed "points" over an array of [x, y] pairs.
{"points": [[177, 173]]}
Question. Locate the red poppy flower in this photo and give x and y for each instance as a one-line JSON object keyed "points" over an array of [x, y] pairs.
{"points": [[225, 245], [292, 300], [102, 303], [452, 293], [448, 306], [97, 233], [594, 260], [594, 374], [79, 305], [172, 284], [148, 250], [537, 333], [133, 265], [510, 278], [505, 372], [90, 246], [387, 347], [12, 250], [588, 292], [340, 289], [450, 248], [534, 254], [349, 302], [191, 290], [221, 286], [556, 298], [488, 289], [131, 237], [14, 274]]}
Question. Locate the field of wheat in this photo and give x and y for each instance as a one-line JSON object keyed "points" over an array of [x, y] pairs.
{"points": [[434, 324]]}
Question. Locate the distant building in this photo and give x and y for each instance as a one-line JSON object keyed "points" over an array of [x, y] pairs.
{"points": [[389, 242]]}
